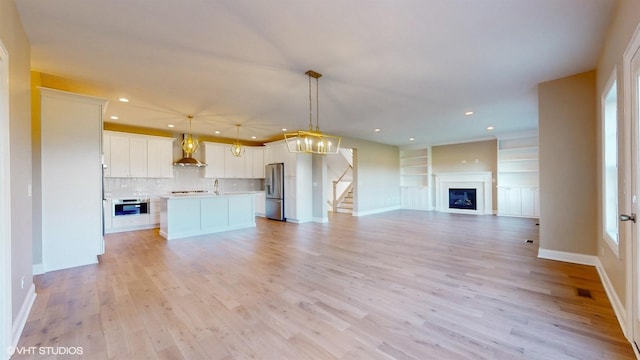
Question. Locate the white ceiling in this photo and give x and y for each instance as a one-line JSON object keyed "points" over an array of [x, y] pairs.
{"points": [[409, 67]]}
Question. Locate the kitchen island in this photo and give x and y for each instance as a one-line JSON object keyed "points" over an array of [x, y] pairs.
{"points": [[198, 214]]}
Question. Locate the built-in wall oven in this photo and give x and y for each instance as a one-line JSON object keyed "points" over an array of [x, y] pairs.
{"points": [[126, 207]]}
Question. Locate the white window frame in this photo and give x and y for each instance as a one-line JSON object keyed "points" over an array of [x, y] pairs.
{"points": [[612, 239]]}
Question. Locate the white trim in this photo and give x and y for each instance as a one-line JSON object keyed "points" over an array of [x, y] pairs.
{"points": [[628, 126], [321, 219], [613, 244], [574, 258], [6, 311], [618, 307], [23, 315], [376, 211]]}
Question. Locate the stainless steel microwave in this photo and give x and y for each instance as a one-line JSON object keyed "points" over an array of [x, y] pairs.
{"points": [[126, 207]]}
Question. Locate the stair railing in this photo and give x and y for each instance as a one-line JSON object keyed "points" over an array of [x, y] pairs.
{"points": [[337, 199]]}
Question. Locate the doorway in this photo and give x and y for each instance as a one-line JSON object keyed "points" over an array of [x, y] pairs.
{"points": [[5, 207]]}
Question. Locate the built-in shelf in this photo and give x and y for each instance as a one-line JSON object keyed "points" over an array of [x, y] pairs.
{"points": [[518, 173], [415, 175]]}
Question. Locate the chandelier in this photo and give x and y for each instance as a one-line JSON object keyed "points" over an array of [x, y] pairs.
{"points": [[236, 148], [312, 140], [189, 144]]}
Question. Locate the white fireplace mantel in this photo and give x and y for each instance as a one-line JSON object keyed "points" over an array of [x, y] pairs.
{"points": [[481, 181]]}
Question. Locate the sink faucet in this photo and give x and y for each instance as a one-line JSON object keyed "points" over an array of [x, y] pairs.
{"points": [[215, 187]]}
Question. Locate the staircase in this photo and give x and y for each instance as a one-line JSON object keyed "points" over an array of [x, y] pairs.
{"points": [[346, 205]]}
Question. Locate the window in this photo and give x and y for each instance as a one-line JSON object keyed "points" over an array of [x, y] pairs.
{"points": [[610, 164]]}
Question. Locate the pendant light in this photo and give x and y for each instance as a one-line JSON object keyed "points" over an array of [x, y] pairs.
{"points": [[313, 140], [236, 148], [189, 144]]}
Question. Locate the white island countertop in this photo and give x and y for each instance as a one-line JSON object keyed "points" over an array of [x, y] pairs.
{"points": [[209, 194], [192, 214]]}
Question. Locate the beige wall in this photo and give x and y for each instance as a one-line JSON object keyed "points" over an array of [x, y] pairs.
{"points": [[16, 42], [378, 175], [625, 21], [568, 172], [467, 157]]}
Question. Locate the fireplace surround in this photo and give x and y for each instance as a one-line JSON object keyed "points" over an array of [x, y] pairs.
{"points": [[480, 182]]}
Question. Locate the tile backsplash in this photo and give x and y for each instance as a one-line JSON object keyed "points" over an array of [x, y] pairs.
{"points": [[184, 178]]}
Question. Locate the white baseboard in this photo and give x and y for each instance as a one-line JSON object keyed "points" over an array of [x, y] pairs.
{"points": [[376, 211], [23, 315], [574, 258], [321, 220], [38, 269], [618, 308]]}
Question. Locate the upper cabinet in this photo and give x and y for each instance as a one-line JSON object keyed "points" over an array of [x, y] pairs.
{"points": [[140, 156], [222, 164]]}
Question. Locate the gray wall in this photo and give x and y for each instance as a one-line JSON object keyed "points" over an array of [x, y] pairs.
{"points": [[15, 40], [378, 175], [568, 171], [625, 21]]}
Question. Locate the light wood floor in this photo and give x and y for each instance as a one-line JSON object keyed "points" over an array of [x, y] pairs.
{"points": [[399, 285]]}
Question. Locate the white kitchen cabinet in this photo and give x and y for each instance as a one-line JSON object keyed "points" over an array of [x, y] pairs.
{"points": [[258, 163], [247, 170], [214, 158], [260, 203], [154, 211], [222, 164], [137, 156], [233, 165], [160, 158], [119, 157], [71, 179]]}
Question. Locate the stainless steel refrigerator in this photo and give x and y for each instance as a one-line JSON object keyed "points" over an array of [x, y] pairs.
{"points": [[274, 191]]}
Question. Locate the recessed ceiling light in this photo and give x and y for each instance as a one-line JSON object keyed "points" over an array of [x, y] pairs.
{"points": [[217, 132], [469, 113], [253, 137], [171, 125], [284, 129], [411, 139], [113, 117], [376, 130], [123, 99], [490, 128]]}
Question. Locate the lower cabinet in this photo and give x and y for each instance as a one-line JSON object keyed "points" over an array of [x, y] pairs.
{"points": [[518, 201], [415, 197], [114, 224], [260, 204]]}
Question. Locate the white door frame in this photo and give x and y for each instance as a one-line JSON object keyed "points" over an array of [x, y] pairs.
{"points": [[6, 316], [631, 191]]}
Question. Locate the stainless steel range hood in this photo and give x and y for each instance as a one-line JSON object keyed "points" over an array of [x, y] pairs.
{"points": [[187, 160]]}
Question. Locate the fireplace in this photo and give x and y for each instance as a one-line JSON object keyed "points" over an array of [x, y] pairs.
{"points": [[462, 199], [451, 188]]}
